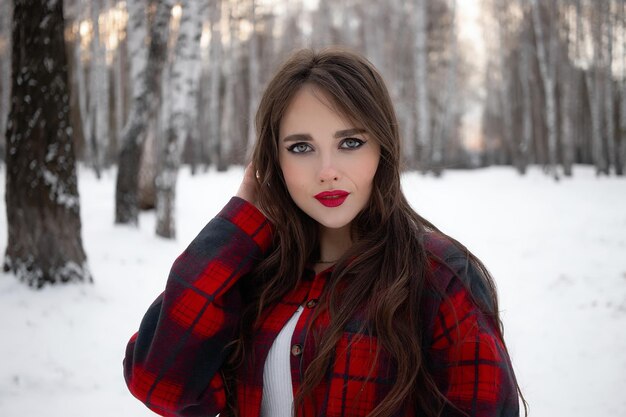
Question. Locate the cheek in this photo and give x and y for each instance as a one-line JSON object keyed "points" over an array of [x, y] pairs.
{"points": [[367, 170], [292, 176]]}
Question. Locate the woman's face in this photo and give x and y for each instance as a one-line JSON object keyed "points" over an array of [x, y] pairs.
{"points": [[327, 161]]}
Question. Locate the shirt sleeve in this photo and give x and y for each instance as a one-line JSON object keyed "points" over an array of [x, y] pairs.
{"points": [[173, 362], [470, 363]]}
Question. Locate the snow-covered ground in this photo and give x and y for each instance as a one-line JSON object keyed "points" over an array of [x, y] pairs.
{"points": [[557, 251]]}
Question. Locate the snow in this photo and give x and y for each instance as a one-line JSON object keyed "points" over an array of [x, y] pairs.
{"points": [[556, 249], [58, 192]]}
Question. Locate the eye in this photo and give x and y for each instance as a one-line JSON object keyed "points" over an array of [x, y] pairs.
{"points": [[300, 147], [351, 143]]}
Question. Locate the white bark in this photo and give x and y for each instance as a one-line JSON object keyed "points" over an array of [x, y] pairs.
{"points": [[136, 35], [83, 90], [547, 78], [184, 78], [144, 108], [420, 54], [120, 95], [98, 92]]}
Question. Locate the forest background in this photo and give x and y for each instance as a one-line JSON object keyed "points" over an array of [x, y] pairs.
{"points": [[133, 91], [149, 85]]}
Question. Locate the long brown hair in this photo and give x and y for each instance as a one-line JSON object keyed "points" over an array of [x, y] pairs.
{"points": [[387, 236]]}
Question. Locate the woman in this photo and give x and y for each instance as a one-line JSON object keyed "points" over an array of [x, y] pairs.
{"points": [[317, 290]]}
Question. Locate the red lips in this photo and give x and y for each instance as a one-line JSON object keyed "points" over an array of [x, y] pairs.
{"points": [[333, 198]]}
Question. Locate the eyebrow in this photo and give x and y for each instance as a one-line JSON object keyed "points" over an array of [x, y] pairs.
{"points": [[299, 137], [348, 132]]}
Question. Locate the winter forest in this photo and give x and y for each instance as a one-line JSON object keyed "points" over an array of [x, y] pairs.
{"points": [[150, 85], [125, 127]]}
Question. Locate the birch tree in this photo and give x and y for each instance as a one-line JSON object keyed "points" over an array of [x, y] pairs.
{"points": [[448, 109], [98, 134], [184, 81], [505, 99], [402, 85], [228, 123], [420, 53], [119, 84], [253, 78], [548, 74], [609, 112], [593, 80], [568, 83], [215, 81], [43, 214], [146, 100], [526, 77]]}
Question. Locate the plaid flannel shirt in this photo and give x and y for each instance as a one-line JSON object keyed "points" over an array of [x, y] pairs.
{"points": [[173, 363]]}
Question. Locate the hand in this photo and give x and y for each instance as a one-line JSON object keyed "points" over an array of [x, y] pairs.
{"points": [[248, 189]]}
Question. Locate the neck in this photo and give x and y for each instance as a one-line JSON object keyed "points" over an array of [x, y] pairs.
{"points": [[334, 243]]}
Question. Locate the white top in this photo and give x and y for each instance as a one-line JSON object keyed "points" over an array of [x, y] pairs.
{"points": [[277, 389]]}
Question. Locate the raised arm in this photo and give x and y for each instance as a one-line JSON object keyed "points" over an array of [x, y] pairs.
{"points": [[173, 362]]}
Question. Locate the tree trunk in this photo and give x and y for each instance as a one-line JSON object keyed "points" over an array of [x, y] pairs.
{"points": [[505, 90], [98, 135], [143, 107], [420, 51], [253, 80], [622, 134], [447, 111], [547, 78], [526, 74], [594, 87], [5, 71], [184, 82], [119, 83], [148, 165], [215, 79], [567, 82], [229, 121], [43, 215], [609, 110]]}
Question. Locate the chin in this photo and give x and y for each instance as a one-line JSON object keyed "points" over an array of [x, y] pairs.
{"points": [[334, 223]]}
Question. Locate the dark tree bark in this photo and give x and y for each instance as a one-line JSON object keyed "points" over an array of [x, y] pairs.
{"points": [[43, 212], [143, 108], [5, 70]]}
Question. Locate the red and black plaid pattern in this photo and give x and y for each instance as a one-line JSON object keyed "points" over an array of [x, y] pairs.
{"points": [[173, 363]]}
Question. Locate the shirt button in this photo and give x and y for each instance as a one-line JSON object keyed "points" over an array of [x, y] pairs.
{"points": [[311, 303], [296, 350]]}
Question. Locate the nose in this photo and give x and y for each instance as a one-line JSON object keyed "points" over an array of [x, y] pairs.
{"points": [[328, 171]]}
